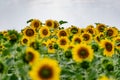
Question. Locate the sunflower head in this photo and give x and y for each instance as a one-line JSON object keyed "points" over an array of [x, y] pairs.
{"points": [[49, 23], [108, 47], [111, 32], [76, 39], [31, 56], [100, 28], [63, 42], [56, 24], [74, 30], [82, 52], [87, 37], [103, 78], [62, 33], [36, 24], [45, 69], [44, 32], [29, 32]]}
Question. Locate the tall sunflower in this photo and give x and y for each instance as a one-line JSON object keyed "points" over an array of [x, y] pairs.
{"points": [[44, 32], [111, 32], [62, 33], [45, 69], [74, 30], [49, 23], [82, 52], [103, 78], [100, 27], [50, 46], [36, 24], [90, 29], [24, 40], [31, 55], [86, 37], [108, 47], [29, 32], [76, 39], [63, 42]]}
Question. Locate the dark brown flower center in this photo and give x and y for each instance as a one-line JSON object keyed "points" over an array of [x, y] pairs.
{"points": [[77, 40], [109, 32], [56, 24], [83, 52], [63, 42], [36, 24], [45, 31], [50, 46], [45, 72], [86, 37], [25, 40], [74, 30], [90, 31], [30, 32], [49, 23], [30, 57], [108, 46], [101, 28], [63, 33], [98, 39]]}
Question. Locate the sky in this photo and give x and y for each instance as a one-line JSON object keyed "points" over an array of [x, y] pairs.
{"points": [[15, 13]]}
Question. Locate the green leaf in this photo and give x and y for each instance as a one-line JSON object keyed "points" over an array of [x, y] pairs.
{"points": [[29, 20], [62, 22], [13, 77]]}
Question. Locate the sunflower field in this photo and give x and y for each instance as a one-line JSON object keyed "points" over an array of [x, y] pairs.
{"points": [[48, 51]]}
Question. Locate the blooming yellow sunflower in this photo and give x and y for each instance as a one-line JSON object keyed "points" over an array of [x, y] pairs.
{"points": [[117, 42], [24, 40], [62, 33], [56, 24], [75, 30], [49, 23], [45, 69], [29, 32], [82, 52], [103, 78], [31, 55], [100, 27], [36, 24], [86, 37], [90, 29], [44, 32], [108, 47], [76, 39], [50, 46], [111, 32], [63, 42]]}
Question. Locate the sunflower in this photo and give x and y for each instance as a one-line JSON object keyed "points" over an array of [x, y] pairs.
{"points": [[117, 42], [76, 39], [74, 30], [111, 32], [45, 69], [100, 27], [56, 24], [62, 33], [86, 37], [108, 47], [36, 24], [63, 42], [49, 23], [24, 40], [90, 29], [50, 46], [29, 32], [103, 78], [31, 55], [82, 52], [44, 32]]}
